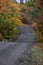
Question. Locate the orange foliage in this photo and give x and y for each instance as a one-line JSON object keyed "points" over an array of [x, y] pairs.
{"points": [[11, 8], [6, 5]]}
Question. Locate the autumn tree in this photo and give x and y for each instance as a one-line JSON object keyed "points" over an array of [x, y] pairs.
{"points": [[7, 27], [9, 19]]}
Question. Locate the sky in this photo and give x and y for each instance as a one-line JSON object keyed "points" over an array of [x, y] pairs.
{"points": [[19, 0]]}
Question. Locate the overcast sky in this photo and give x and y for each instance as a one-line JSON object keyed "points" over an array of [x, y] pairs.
{"points": [[19, 0]]}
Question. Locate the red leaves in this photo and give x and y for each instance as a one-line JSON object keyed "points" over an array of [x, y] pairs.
{"points": [[0, 0]]}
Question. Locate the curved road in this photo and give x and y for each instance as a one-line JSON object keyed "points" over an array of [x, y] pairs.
{"points": [[10, 52]]}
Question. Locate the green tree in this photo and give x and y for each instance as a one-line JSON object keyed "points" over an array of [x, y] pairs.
{"points": [[7, 27], [30, 2]]}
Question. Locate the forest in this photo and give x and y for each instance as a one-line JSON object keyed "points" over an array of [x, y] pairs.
{"points": [[14, 14]]}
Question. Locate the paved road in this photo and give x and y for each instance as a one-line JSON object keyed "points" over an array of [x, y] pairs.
{"points": [[10, 52]]}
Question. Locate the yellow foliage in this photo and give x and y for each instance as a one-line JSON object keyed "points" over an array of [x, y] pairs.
{"points": [[7, 4], [17, 21], [1, 37], [11, 7], [37, 3]]}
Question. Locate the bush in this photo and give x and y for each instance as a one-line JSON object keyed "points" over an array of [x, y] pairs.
{"points": [[8, 27]]}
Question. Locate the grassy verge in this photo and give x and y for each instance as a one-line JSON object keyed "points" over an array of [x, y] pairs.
{"points": [[37, 49], [37, 55]]}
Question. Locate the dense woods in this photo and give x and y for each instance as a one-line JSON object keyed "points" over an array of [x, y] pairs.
{"points": [[9, 19], [13, 14]]}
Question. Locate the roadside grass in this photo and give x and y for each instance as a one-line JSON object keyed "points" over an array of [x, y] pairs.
{"points": [[37, 49], [37, 55]]}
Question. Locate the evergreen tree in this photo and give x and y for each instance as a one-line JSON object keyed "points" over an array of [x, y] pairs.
{"points": [[21, 1]]}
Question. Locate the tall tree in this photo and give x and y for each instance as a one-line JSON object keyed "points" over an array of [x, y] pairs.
{"points": [[21, 1]]}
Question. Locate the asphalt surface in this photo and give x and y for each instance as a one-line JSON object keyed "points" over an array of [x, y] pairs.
{"points": [[10, 52]]}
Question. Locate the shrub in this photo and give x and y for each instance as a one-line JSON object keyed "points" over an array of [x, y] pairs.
{"points": [[8, 27]]}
